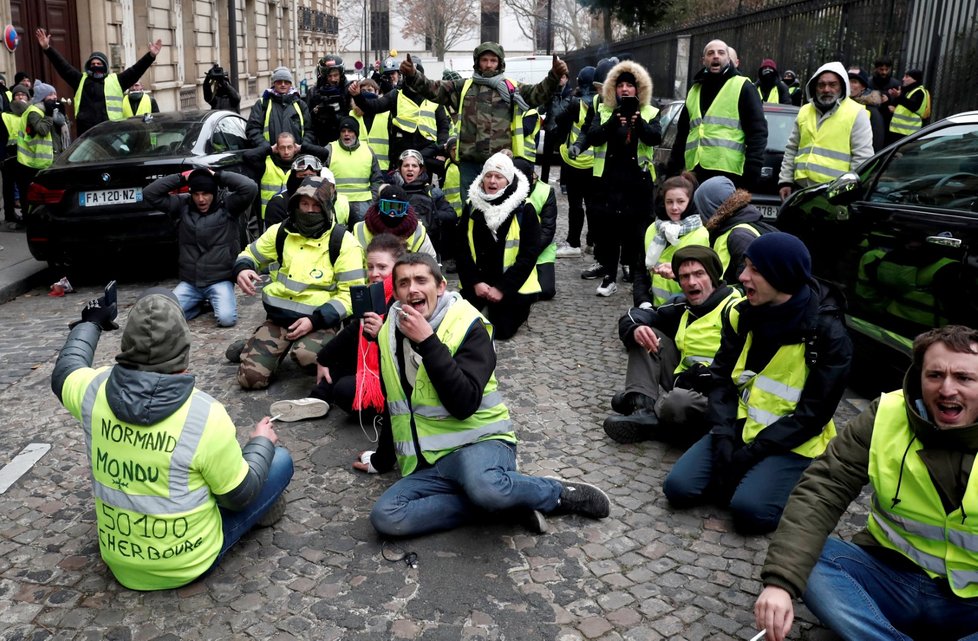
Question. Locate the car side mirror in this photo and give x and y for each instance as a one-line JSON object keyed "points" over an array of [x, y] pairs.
{"points": [[842, 188]]}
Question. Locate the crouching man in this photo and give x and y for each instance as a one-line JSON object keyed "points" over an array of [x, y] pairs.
{"points": [[194, 491], [449, 430]]}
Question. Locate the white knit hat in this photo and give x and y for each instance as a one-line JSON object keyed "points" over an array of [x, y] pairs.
{"points": [[500, 163]]}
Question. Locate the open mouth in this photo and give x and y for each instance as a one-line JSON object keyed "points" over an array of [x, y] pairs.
{"points": [[948, 413], [420, 304]]}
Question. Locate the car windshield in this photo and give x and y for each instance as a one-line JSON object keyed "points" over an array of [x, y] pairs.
{"points": [[134, 139], [779, 126], [939, 169]]}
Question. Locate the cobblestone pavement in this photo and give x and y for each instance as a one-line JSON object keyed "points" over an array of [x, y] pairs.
{"points": [[647, 572]]}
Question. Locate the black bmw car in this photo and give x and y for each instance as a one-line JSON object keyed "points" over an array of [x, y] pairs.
{"points": [[89, 204]]}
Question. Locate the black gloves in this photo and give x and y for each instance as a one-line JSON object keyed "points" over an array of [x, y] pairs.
{"points": [[101, 311], [723, 449], [697, 378]]}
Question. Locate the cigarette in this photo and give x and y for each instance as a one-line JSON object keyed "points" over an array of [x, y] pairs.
{"points": [[274, 418], [759, 635]]}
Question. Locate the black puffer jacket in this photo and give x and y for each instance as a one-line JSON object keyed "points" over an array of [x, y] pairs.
{"points": [[284, 117], [208, 243]]}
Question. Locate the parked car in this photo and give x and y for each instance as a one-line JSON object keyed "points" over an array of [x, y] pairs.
{"points": [[780, 120], [900, 237], [89, 203]]}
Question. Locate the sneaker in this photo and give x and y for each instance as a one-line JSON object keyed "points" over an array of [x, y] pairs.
{"points": [[592, 272], [626, 273], [567, 251], [274, 513], [582, 498], [233, 352], [589, 249], [607, 287], [299, 409], [634, 428], [535, 522]]}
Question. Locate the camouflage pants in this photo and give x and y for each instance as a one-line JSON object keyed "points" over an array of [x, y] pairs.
{"points": [[267, 347]]}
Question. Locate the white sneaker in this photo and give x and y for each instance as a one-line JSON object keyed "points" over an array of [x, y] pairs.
{"points": [[298, 409], [607, 287], [567, 251]]}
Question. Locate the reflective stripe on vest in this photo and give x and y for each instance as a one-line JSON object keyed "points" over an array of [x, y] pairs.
{"points": [[272, 182], [698, 338], [530, 137], [438, 432], [665, 288], [515, 124], [907, 514], [145, 106], [113, 96], [825, 151], [453, 187], [538, 200], [773, 393], [36, 152], [644, 152], [720, 245], [377, 137], [716, 140], [352, 171], [584, 160], [510, 251], [906, 122], [412, 117], [268, 116]]}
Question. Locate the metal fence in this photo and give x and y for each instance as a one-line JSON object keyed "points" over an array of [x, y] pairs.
{"points": [[938, 36]]}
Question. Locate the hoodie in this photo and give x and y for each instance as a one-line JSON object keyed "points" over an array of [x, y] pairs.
{"points": [[860, 136]]}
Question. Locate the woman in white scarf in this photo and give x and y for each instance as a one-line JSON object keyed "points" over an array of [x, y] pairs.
{"points": [[677, 226]]}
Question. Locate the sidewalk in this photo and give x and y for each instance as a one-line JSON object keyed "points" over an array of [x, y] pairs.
{"points": [[19, 272]]}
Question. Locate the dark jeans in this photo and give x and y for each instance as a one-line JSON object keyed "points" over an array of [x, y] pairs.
{"points": [[506, 316], [342, 390], [547, 276], [9, 187], [757, 501], [625, 215], [580, 202]]}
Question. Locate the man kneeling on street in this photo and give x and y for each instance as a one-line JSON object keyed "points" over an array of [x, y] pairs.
{"points": [[669, 349], [173, 489], [449, 429], [913, 572]]}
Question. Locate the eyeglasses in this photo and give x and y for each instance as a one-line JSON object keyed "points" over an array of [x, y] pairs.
{"points": [[393, 208], [303, 163]]}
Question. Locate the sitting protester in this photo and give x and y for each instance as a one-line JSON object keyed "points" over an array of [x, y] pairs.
{"points": [[428, 202], [393, 214]]}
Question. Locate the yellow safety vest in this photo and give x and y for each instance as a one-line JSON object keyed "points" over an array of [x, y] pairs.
{"points": [[773, 393], [412, 117], [515, 125], [453, 187], [716, 140], [900, 290], [413, 242], [906, 122], [510, 251], [907, 514], [14, 125], [113, 96], [530, 137], [352, 171], [665, 288], [538, 199], [438, 432], [268, 116], [36, 152], [698, 338], [145, 106], [306, 279], [377, 137], [159, 526], [825, 152], [272, 182], [342, 209], [644, 152], [584, 160], [773, 96], [720, 245]]}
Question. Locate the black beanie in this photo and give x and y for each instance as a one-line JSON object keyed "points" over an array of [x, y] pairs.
{"points": [[783, 261], [704, 256], [201, 180], [916, 74], [626, 76], [350, 123]]}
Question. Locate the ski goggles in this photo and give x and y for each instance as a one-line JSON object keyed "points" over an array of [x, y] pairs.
{"points": [[393, 208], [306, 162]]}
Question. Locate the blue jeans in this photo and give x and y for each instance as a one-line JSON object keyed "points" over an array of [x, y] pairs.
{"points": [[236, 524], [467, 483], [757, 502], [859, 597], [220, 295]]}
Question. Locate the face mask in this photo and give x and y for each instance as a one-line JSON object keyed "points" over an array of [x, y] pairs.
{"points": [[369, 95], [310, 225], [19, 107]]}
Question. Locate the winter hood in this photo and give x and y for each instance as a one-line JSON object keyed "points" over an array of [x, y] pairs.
{"points": [[489, 47], [837, 69], [643, 83]]}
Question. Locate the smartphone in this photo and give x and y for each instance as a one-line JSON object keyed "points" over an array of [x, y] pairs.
{"points": [[368, 298], [110, 294], [627, 105]]}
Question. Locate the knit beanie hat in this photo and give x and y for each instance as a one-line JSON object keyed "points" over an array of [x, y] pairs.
{"points": [[711, 194], [501, 164], [282, 73], [41, 91], [350, 123], [860, 75], [96, 55], [626, 76], [16, 89], [156, 338], [783, 261], [704, 256], [202, 180], [916, 74]]}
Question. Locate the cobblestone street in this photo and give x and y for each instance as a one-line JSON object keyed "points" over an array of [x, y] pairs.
{"points": [[647, 572]]}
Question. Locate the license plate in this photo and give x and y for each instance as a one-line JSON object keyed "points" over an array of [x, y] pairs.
{"points": [[110, 197], [768, 211]]}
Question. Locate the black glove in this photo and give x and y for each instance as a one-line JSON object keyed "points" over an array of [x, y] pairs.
{"points": [[573, 152], [723, 450], [697, 378], [99, 312]]}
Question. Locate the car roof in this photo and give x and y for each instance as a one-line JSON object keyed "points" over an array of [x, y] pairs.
{"points": [[779, 108], [194, 115]]}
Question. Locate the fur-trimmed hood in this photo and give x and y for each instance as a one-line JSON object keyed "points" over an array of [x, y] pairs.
{"points": [[642, 79], [729, 208]]}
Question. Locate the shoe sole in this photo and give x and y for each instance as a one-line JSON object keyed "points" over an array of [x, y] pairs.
{"points": [[607, 293], [595, 488], [590, 277], [291, 411], [536, 522], [623, 432], [274, 513]]}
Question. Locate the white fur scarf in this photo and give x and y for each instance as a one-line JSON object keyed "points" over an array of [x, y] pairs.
{"points": [[668, 232], [496, 213]]}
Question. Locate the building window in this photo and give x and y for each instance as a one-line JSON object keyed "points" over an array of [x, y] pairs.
{"points": [[380, 26], [489, 27]]}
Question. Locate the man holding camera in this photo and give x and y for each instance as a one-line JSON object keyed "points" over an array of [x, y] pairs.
{"points": [[218, 92]]}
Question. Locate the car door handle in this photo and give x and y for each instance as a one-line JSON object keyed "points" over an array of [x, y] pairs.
{"points": [[945, 241]]}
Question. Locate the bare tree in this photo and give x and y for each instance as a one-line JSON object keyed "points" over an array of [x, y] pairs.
{"points": [[442, 22], [571, 25], [351, 25]]}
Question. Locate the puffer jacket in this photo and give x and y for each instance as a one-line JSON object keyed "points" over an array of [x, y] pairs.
{"points": [[836, 478], [736, 210]]}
